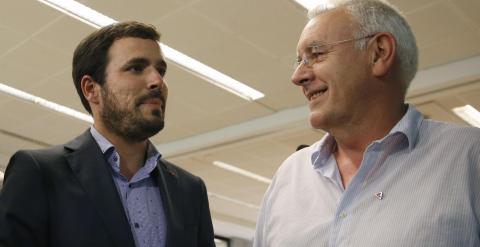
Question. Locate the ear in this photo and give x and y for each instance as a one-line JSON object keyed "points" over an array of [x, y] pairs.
{"points": [[384, 48], [90, 90]]}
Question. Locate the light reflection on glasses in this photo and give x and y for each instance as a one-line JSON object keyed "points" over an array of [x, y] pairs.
{"points": [[316, 52]]}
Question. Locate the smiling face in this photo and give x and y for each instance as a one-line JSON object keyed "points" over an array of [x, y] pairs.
{"points": [[134, 95], [336, 84]]}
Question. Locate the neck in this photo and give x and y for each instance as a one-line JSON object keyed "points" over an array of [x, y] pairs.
{"points": [[352, 140], [374, 125], [132, 154]]}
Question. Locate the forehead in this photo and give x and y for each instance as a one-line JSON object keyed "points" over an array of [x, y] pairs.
{"points": [[126, 48], [327, 27]]}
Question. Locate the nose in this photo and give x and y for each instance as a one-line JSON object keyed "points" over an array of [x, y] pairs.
{"points": [[155, 79], [302, 75]]}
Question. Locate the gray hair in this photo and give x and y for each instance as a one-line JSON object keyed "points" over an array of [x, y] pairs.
{"points": [[373, 16]]}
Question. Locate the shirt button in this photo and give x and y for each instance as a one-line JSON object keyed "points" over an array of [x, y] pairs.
{"points": [[343, 215]]}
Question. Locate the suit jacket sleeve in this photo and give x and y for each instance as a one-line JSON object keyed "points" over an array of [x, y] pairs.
{"points": [[23, 203]]}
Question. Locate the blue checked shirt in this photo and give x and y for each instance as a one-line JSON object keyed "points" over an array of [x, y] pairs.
{"points": [[418, 186], [140, 196]]}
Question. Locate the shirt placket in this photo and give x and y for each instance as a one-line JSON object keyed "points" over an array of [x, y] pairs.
{"points": [[344, 214]]}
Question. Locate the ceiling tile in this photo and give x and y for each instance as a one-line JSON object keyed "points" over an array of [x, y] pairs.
{"points": [[275, 31], [436, 22], [12, 143], [224, 207], [436, 111], [9, 40], [243, 113], [284, 95], [270, 156], [237, 157], [411, 5], [470, 10], [193, 90], [26, 17], [305, 135], [59, 35], [221, 181], [471, 97], [17, 75], [450, 49], [223, 50], [59, 89], [170, 133], [140, 10], [17, 113], [35, 58], [53, 128]]}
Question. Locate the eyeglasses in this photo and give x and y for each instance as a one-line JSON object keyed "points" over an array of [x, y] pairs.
{"points": [[317, 52]]}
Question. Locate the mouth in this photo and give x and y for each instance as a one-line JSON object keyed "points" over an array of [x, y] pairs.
{"points": [[316, 93], [153, 101], [154, 98]]}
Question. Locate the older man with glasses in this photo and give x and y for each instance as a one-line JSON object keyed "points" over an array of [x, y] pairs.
{"points": [[382, 175]]}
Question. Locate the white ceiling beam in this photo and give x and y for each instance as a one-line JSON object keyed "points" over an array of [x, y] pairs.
{"points": [[256, 127], [445, 75]]}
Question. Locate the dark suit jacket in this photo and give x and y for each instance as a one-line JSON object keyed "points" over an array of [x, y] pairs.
{"points": [[65, 196]]}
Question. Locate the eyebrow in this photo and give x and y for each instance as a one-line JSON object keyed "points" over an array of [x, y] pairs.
{"points": [[311, 44], [137, 60], [144, 61], [316, 43]]}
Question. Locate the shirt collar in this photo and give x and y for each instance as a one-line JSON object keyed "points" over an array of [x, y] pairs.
{"points": [[106, 145], [322, 150], [408, 126]]}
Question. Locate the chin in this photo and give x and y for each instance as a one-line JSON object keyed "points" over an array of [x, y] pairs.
{"points": [[317, 120]]}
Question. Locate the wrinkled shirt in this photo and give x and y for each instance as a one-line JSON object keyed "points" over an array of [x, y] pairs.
{"points": [[418, 186], [140, 195]]}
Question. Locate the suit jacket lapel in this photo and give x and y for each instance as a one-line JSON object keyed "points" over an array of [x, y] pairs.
{"points": [[91, 170], [172, 199]]}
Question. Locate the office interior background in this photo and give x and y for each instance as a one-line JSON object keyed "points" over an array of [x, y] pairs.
{"points": [[234, 143]]}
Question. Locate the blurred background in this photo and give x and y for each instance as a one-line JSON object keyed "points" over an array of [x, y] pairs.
{"points": [[234, 144]]}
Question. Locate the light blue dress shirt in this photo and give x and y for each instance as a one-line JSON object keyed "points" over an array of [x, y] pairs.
{"points": [[140, 196], [418, 186]]}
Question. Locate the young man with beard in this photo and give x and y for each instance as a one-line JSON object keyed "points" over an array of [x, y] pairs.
{"points": [[109, 186], [382, 175]]}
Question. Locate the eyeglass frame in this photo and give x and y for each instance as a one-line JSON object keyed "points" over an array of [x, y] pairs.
{"points": [[308, 62]]}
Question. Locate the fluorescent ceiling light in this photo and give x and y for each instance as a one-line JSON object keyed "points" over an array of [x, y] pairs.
{"points": [[210, 74], [45, 103], [80, 12], [469, 114], [310, 4], [242, 172], [97, 20]]}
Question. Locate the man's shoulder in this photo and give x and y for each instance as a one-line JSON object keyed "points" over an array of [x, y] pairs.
{"points": [[48, 156], [43, 153], [450, 131], [55, 150], [179, 172], [298, 162]]}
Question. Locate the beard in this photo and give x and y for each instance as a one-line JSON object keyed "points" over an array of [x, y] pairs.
{"points": [[129, 122]]}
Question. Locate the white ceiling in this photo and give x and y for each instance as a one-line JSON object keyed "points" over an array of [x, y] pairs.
{"points": [[253, 42]]}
